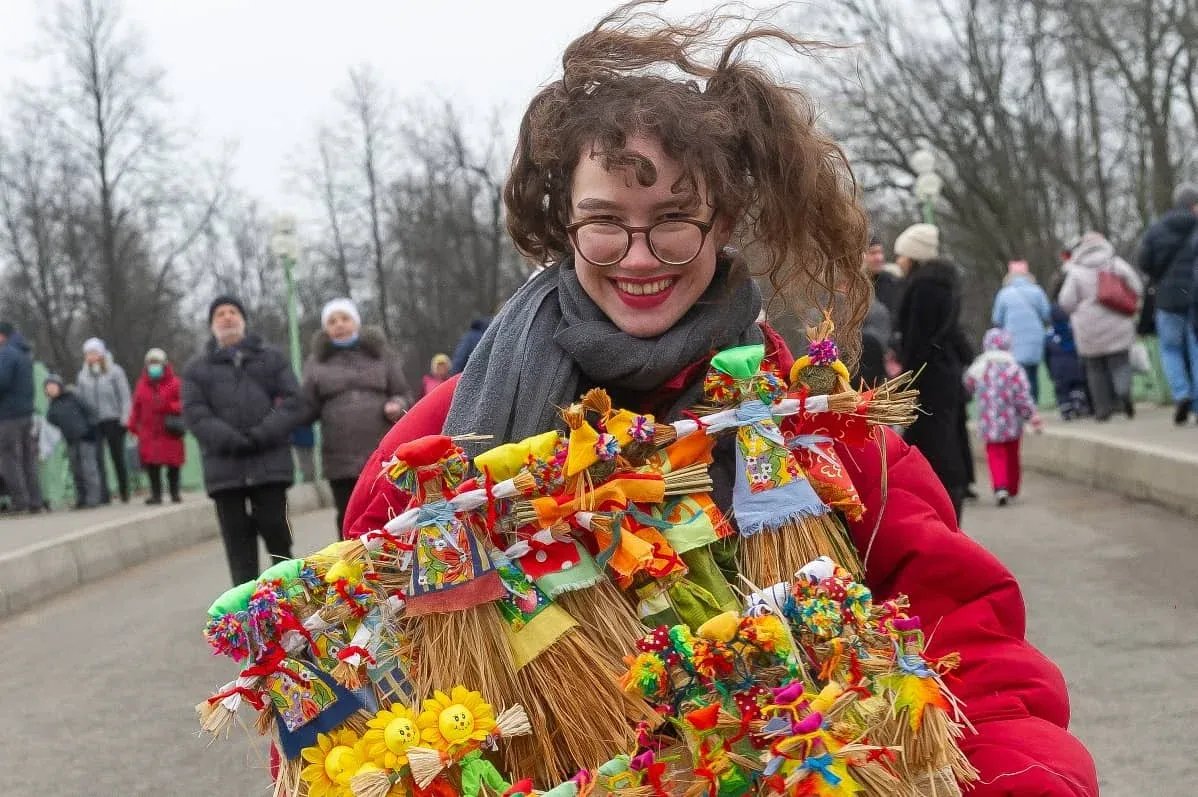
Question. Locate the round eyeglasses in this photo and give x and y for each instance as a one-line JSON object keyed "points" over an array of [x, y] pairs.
{"points": [[674, 242]]}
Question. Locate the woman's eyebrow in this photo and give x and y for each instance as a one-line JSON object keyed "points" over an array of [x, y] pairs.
{"points": [[592, 203], [682, 201]]}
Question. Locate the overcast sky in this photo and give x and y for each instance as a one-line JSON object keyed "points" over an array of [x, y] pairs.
{"points": [[262, 73]]}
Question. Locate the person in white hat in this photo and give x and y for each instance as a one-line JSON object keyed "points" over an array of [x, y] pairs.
{"points": [[931, 344], [916, 244], [354, 385], [103, 385]]}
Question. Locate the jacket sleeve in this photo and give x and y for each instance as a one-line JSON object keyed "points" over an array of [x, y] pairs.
{"points": [[276, 428], [8, 368], [1148, 260], [135, 411], [999, 314], [213, 433], [397, 383], [310, 396], [174, 401], [1014, 696], [1022, 394], [924, 318], [970, 381], [1070, 296], [122, 390], [1131, 275], [1043, 306]]}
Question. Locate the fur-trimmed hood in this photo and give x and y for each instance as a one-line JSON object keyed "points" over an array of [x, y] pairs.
{"points": [[370, 342]]}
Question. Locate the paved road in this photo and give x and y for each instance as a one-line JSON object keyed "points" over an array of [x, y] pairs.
{"points": [[98, 686]]}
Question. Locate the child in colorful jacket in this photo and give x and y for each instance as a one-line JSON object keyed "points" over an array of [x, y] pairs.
{"points": [[1000, 385]]}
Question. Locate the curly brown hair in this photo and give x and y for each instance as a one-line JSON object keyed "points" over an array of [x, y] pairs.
{"points": [[786, 186]]}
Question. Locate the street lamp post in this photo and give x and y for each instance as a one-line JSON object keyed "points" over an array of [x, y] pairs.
{"points": [[284, 244], [928, 184]]}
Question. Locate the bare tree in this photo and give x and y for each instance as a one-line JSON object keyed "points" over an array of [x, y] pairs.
{"points": [[34, 212], [324, 180], [127, 209], [367, 103], [1049, 117]]}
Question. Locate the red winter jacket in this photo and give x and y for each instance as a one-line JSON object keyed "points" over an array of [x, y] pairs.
{"points": [[153, 400], [968, 602]]}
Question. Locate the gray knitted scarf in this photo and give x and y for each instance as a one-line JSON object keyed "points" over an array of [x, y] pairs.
{"points": [[550, 335]]}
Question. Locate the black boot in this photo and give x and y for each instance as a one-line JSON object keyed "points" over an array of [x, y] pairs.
{"points": [[1181, 415]]}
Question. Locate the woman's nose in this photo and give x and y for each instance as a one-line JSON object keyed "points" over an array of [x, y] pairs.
{"points": [[639, 255]]}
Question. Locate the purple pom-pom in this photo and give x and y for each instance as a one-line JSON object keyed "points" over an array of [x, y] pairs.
{"points": [[823, 352]]}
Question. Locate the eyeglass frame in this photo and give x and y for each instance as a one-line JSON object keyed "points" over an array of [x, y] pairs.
{"points": [[631, 230]]}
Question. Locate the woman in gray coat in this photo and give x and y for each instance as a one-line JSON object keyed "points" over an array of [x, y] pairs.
{"points": [[1104, 337], [103, 385], [354, 385]]}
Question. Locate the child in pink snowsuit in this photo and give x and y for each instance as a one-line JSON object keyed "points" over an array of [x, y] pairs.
{"points": [[999, 383]]}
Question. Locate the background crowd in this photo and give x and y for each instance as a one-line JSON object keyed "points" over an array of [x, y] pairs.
{"points": [[1084, 329], [248, 410]]}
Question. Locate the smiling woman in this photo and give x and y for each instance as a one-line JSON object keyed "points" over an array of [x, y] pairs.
{"points": [[632, 187]]}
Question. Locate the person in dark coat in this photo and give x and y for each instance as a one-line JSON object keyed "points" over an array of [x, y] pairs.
{"points": [[241, 401], [888, 288], [931, 343], [77, 422], [467, 343], [18, 449], [158, 395], [1060, 355], [354, 385], [1168, 253]]}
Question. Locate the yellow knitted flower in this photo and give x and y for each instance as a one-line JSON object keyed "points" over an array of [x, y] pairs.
{"points": [[450, 722], [391, 732], [331, 763]]}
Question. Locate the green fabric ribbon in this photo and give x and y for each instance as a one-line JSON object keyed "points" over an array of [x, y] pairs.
{"points": [[693, 604], [703, 570], [286, 571], [478, 772], [236, 599], [741, 362]]}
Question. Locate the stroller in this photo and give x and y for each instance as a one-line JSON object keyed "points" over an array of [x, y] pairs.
{"points": [[1065, 368]]}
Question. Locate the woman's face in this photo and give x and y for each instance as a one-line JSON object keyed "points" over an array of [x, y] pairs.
{"points": [[340, 326], [641, 295], [440, 369]]}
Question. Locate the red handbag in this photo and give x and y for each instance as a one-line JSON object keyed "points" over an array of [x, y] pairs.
{"points": [[1115, 294]]}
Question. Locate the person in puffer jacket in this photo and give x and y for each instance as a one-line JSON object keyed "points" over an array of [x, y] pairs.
{"points": [[1000, 384]]}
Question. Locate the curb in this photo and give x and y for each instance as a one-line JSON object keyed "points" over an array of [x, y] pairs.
{"points": [[1139, 471], [31, 574]]}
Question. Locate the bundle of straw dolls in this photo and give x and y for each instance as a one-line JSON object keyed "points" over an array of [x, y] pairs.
{"points": [[571, 614]]}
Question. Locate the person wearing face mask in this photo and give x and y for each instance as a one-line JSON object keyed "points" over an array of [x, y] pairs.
{"points": [[241, 401], [103, 385], [354, 385], [650, 199], [156, 421]]}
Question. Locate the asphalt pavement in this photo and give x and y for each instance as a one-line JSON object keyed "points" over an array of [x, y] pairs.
{"points": [[99, 684]]}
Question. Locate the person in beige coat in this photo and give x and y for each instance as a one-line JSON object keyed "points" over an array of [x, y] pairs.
{"points": [[1104, 337], [354, 385]]}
